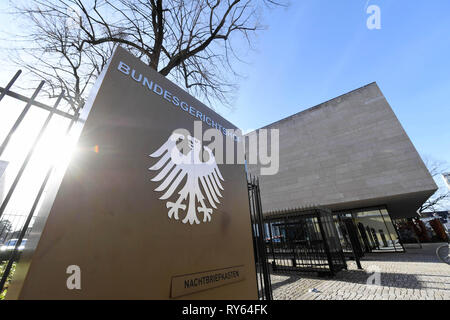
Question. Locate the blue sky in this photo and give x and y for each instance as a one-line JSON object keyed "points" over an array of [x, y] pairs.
{"points": [[319, 49]]}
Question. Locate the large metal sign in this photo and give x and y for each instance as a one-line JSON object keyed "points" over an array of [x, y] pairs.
{"points": [[132, 217]]}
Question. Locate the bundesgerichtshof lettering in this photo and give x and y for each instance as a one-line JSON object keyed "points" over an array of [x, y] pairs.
{"points": [[176, 101]]}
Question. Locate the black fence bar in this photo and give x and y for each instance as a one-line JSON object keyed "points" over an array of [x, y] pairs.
{"points": [[15, 226], [15, 252], [261, 264], [304, 240], [29, 155], [20, 118], [350, 238], [326, 244], [262, 245], [9, 85], [35, 103]]}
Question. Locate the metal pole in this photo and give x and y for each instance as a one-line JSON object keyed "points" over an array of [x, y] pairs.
{"points": [[266, 271], [271, 244], [358, 262], [332, 223], [325, 242], [252, 220]]}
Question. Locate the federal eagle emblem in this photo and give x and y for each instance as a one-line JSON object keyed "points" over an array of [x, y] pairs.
{"points": [[174, 166]]}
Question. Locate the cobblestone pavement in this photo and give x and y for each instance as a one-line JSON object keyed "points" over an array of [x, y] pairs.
{"points": [[416, 274]]}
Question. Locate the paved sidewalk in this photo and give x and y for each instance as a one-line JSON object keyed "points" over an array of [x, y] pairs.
{"points": [[416, 274]]}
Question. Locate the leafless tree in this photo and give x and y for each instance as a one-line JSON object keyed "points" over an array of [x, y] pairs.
{"points": [[195, 42], [439, 200]]}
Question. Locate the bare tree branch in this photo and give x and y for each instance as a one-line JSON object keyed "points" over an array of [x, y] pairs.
{"points": [[440, 199], [196, 43]]}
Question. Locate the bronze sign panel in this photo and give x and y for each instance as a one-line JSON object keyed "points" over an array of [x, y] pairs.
{"points": [[116, 220]]}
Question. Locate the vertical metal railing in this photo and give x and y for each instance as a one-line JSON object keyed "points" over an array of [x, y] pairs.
{"points": [[308, 241], [19, 225], [259, 236], [33, 146], [20, 118]]}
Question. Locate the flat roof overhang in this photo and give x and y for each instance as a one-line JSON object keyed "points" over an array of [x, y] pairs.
{"points": [[398, 206]]}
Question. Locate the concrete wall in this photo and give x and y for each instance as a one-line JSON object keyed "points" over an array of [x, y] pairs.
{"points": [[348, 152]]}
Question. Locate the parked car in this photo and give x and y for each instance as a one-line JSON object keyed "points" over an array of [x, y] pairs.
{"points": [[274, 239], [11, 243], [7, 248]]}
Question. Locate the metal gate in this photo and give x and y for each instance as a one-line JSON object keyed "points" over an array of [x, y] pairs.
{"points": [[27, 129], [259, 240], [304, 239]]}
